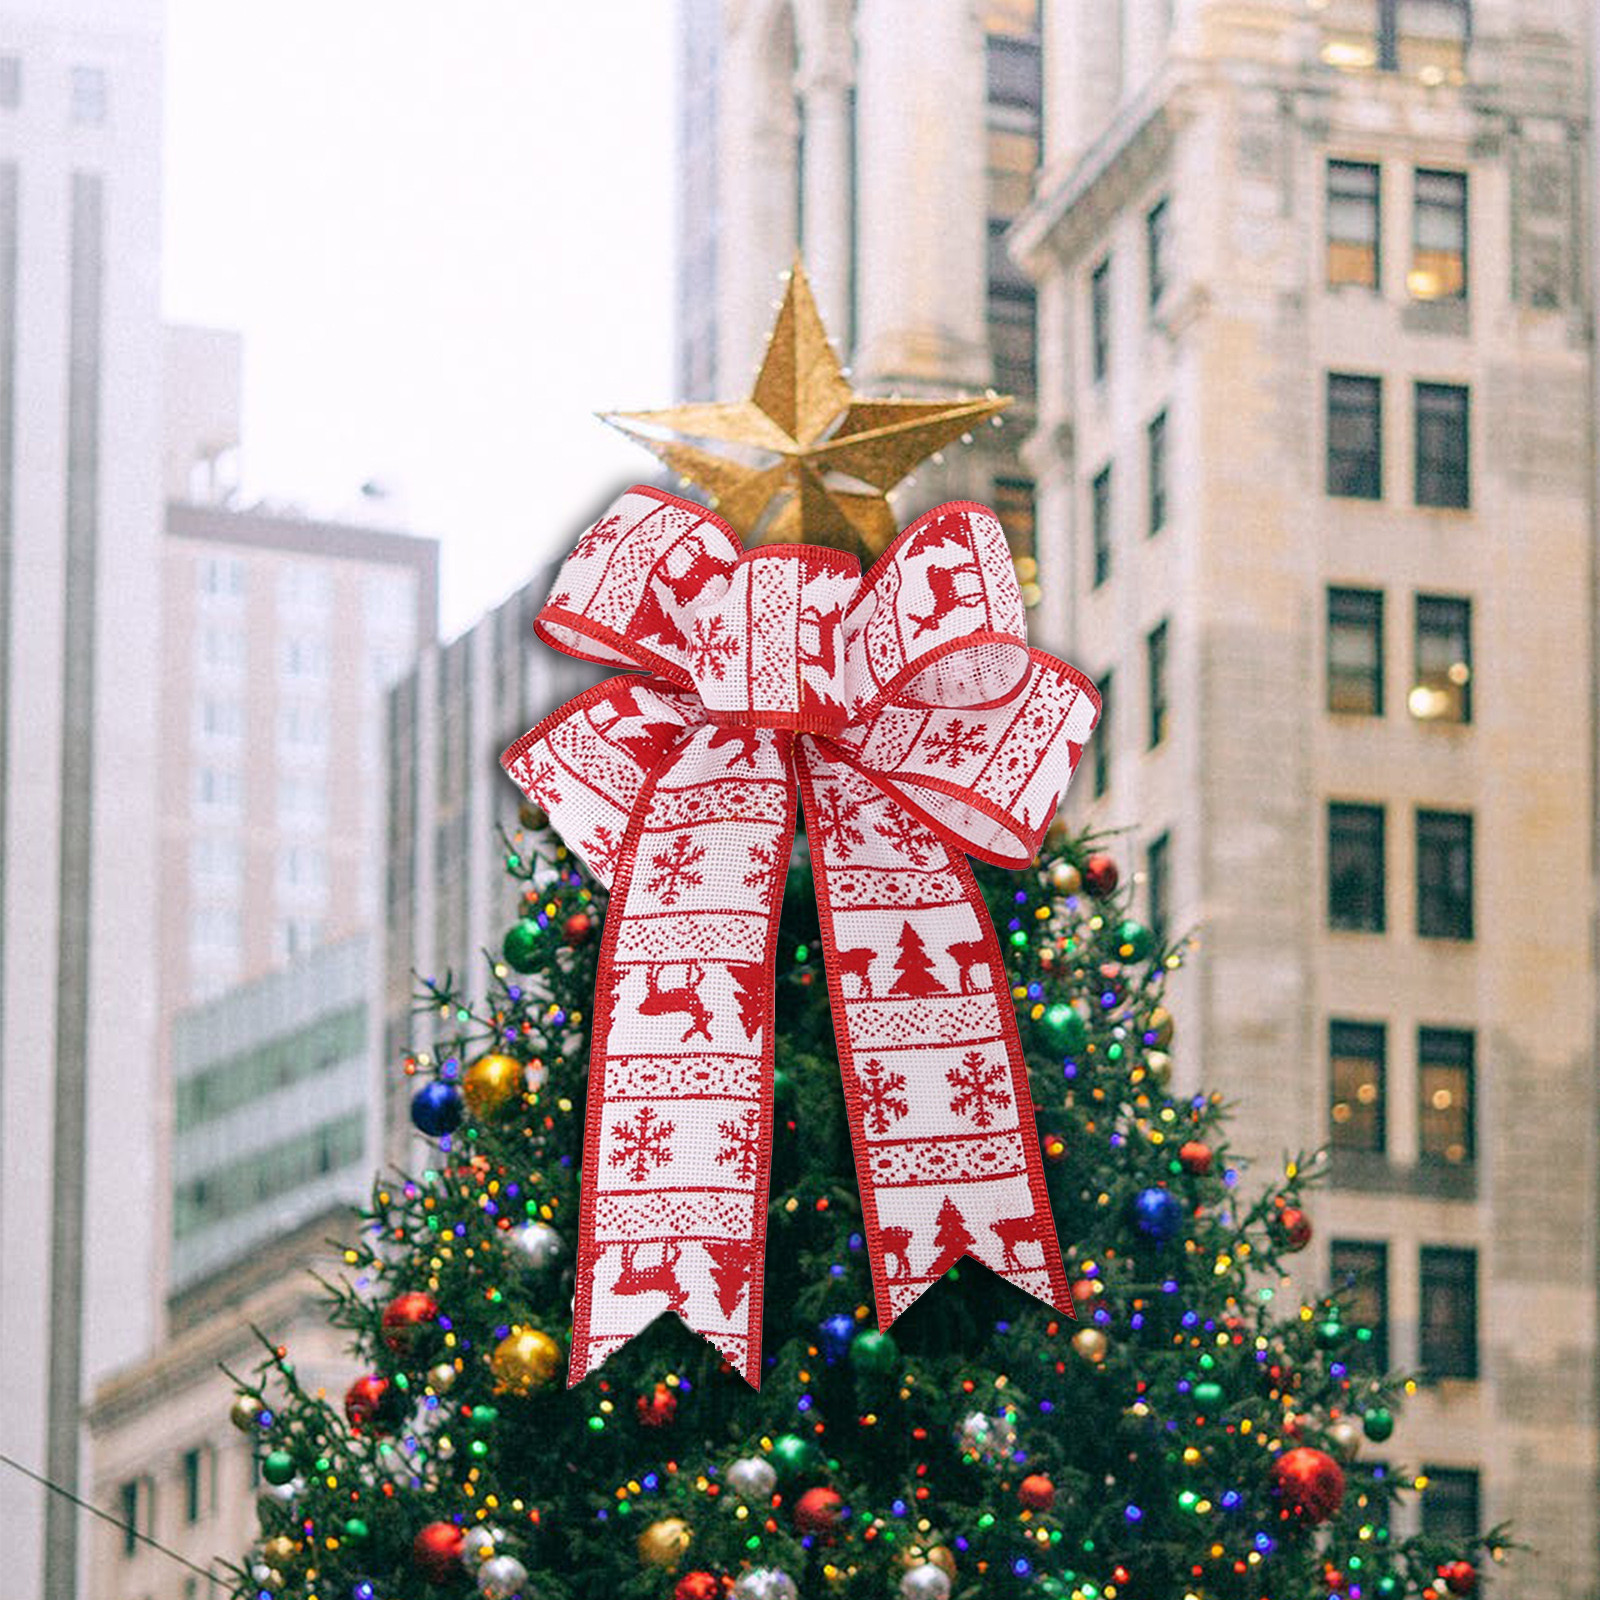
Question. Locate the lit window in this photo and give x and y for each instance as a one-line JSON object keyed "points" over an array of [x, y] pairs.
{"points": [[1356, 879], [1445, 1060], [1356, 1058], [1438, 236], [1156, 470], [1353, 223], [1359, 1269], [1444, 874], [1425, 39], [1013, 157], [1449, 1312], [1355, 651], [1355, 436], [1442, 447], [1100, 524], [1443, 688], [88, 96]]}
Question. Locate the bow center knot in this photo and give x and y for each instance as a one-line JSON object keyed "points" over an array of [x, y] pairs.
{"points": [[769, 650]]}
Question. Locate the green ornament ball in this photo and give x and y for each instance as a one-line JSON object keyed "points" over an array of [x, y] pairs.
{"points": [[1134, 940], [521, 947], [277, 1467], [874, 1353], [1208, 1396], [1068, 1031], [1330, 1332], [792, 1455], [1378, 1423], [1388, 1584], [356, 1530]]}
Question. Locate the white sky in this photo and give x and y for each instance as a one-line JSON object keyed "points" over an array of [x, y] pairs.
{"points": [[445, 233]]}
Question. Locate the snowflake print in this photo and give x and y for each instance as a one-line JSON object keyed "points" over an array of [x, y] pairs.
{"points": [[601, 851], [763, 858], [881, 1094], [674, 869], [977, 1086], [743, 1146], [835, 821], [599, 536], [955, 744], [713, 647], [641, 1142], [542, 787], [908, 836]]}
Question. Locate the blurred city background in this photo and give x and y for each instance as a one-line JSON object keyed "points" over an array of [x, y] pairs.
{"points": [[1295, 301]]}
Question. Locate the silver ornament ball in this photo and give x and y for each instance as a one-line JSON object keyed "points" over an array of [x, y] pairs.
{"points": [[765, 1583], [538, 1244], [501, 1577], [752, 1478], [477, 1545], [926, 1582]]}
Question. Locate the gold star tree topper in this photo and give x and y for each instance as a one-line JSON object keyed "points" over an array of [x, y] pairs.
{"points": [[805, 459]]}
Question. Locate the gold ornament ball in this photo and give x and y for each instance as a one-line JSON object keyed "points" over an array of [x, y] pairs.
{"points": [[441, 1377], [491, 1084], [1159, 1065], [1160, 1025], [279, 1551], [1345, 1437], [524, 1360], [1065, 878], [245, 1412], [1091, 1344], [941, 1558], [663, 1543]]}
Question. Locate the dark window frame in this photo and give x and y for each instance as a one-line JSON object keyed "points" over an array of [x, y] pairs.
{"points": [[1354, 471], [1452, 1050], [1455, 1516], [1458, 207], [1365, 826], [1445, 910], [1101, 744], [1100, 320], [1351, 612], [1100, 513], [1157, 242], [1156, 662], [1367, 1272], [1447, 1346], [1155, 456], [1440, 606], [1340, 187], [1441, 446], [1368, 1043], [1158, 882]]}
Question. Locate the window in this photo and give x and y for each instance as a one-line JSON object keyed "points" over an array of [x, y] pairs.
{"points": [[1013, 157], [1438, 236], [1444, 1094], [1156, 470], [304, 590], [10, 82], [1355, 651], [1442, 691], [1444, 874], [1156, 659], [199, 1480], [1013, 504], [214, 933], [1014, 74], [298, 935], [1158, 880], [1100, 320], [303, 866], [1424, 39], [303, 724], [1101, 744], [1360, 1269], [1441, 475], [222, 650], [1155, 244], [303, 796], [1355, 436], [1355, 868], [1356, 1059], [220, 719], [88, 96], [1353, 223], [305, 656], [1100, 524], [136, 1501], [1449, 1312], [216, 861], [218, 788], [1010, 315], [1450, 1505], [221, 577]]}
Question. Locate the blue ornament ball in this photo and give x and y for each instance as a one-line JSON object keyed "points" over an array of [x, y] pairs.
{"points": [[836, 1333], [1157, 1213], [436, 1109]]}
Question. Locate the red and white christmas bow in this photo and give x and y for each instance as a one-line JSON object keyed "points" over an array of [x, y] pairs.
{"points": [[909, 714]]}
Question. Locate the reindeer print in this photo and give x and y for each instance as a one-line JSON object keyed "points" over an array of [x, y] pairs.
{"points": [[974, 953], [856, 964], [1012, 1231], [895, 1243], [662, 1278], [948, 595], [659, 1002]]}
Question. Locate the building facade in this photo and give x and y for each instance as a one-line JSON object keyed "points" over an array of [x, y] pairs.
{"points": [[80, 530], [893, 159], [1313, 456]]}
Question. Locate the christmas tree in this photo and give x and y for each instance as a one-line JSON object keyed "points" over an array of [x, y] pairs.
{"points": [[1199, 1429]]}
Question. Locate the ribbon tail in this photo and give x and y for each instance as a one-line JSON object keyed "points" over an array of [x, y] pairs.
{"points": [[678, 1134], [936, 1088]]}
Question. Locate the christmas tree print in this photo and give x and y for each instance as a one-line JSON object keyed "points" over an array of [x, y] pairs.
{"points": [[915, 969]]}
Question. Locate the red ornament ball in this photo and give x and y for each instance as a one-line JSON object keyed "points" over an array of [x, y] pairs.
{"points": [[817, 1511], [658, 1408], [577, 928], [1036, 1492], [436, 1552], [406, 1318], [1100, 876], [1294, 1227], [1195, 1157], [1460, 1577], [370, 1402], [697, 1586], [1309, 1482]]}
